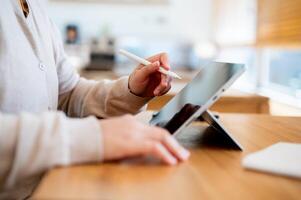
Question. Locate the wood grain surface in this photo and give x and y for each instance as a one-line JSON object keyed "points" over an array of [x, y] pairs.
{"points": [[213, 171], [279, 22]]}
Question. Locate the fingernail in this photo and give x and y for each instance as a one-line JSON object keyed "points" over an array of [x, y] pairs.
{"points": [[157, 63], [172, 161], [173, 141], [184, 154]]}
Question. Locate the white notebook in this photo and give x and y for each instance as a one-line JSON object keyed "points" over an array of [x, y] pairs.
{"points": [[281, 158]]}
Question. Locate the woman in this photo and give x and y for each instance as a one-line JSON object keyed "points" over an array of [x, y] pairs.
{"points": [[36, 80]]}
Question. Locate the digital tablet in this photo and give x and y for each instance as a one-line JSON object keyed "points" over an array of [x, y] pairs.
{"points": [[197, 96]]}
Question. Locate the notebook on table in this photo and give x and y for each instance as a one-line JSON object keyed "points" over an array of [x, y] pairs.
{"points": [[281, 158]]}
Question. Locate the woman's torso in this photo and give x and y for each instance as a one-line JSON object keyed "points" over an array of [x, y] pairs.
{"points": [[28, 76]]}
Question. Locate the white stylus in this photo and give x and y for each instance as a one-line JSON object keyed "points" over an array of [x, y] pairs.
{"points": [[146, 62]]}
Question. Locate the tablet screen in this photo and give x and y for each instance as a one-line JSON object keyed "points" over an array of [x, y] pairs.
{"points": [[196, 94]]}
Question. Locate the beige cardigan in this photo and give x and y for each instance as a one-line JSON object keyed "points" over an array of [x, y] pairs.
{"points": [[36, 79]]}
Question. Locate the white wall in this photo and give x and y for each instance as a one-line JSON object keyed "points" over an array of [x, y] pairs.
{"points": [[235, 22], [185, 19]]}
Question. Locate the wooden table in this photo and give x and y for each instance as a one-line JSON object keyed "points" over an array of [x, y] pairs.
{"points": [[211, 172]]}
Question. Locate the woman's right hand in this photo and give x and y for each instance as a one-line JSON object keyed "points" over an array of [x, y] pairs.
{"points": [[125, 137]]}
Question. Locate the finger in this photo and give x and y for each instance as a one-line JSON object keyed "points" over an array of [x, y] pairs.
{"points": [[169, 142], [169, 79], [165, 91], [148, 70], [162, 86], [140, 67], [162, 58], [157, 150], [164, 61]]}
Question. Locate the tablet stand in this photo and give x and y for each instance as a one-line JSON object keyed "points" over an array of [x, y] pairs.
{"points": [[221, 133]]}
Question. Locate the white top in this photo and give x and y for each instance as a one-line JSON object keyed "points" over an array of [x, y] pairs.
{"points": [[36, 79]]}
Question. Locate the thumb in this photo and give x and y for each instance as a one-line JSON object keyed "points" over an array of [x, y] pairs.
{"points": [[149, 69]]}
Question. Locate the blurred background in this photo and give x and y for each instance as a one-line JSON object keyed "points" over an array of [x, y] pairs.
{"points": [[263, 34]]}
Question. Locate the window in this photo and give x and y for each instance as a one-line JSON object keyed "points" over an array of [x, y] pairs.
{"points": [[275, 73], [284, 71], [243, 55]]}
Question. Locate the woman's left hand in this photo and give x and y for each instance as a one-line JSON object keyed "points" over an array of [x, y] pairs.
{"points": [[147, 81]]}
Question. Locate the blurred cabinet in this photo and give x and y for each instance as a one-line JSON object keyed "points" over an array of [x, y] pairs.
{"points": [[232, 101]]}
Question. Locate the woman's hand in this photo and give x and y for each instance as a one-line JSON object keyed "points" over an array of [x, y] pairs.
{"points": [[126, 137], [147, 81]]}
